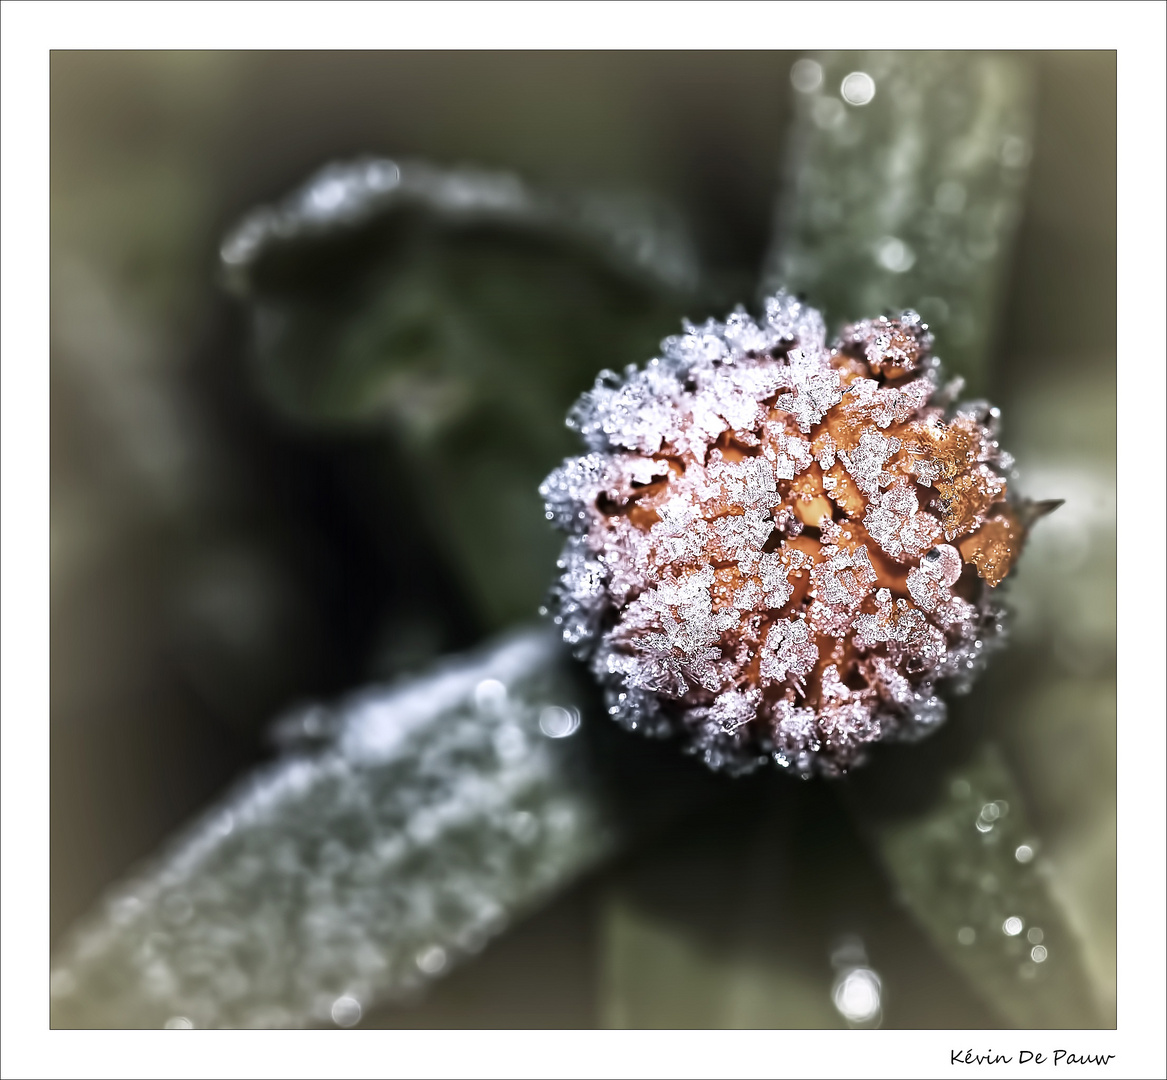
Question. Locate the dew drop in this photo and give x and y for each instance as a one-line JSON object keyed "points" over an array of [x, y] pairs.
{"points": [[858, 88], [893, 254], [806, 75], [857, 995], [558, 723], [346, 1011], [490, 695], [432, 960]]}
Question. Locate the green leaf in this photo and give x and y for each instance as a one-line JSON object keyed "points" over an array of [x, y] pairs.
{"points": [[756, 911], [717, 927], [462, 312], [911, 198], [656, 975], [1059, 723], [397, 834], [970, 869]]}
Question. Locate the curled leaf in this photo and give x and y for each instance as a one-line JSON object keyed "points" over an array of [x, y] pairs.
{"points": [[460, 312]]}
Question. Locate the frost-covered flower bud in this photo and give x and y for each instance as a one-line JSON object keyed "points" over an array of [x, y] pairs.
{"points": [[779, 550]]}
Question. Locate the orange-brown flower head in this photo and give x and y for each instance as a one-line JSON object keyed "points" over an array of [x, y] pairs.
{"points": [[778, 549]]}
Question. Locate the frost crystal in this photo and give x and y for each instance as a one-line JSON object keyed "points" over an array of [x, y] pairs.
{"points": [[777, 549]]}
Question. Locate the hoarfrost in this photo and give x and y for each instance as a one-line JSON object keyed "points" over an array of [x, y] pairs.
{"points": [[756, 558]]}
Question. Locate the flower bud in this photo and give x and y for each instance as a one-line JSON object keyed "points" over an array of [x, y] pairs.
{"points": [[779, 550]]}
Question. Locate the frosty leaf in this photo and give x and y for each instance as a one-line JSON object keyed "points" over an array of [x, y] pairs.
{"points": [[752, 911], [1062, 729], [427, 817], [464, 311], [907, 198], [375, 267], [969, 867]]}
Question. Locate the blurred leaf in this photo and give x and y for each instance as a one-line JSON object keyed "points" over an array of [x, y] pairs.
{"points": [[910, 197], [657, 976], [755, 910], [717, 926], [464, 312], [1060, 727], [970, 869], [1062, 733], [395, 837]]}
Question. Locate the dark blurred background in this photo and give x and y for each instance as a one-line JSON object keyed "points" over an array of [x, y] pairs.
{"points": [[214, 565]]}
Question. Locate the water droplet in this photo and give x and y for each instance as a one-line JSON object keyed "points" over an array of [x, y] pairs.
{"points": [[490, 695], [432, 960], [966, 935], [857, 996], [893, 254], [346, 1011], [1039, 953], [858, 88], [1013, 926], [1036, 935], [806, 75], [558, 723], [178, 1023], [1023, 854]]}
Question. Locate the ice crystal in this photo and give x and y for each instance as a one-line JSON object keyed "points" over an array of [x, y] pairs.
{"points": [[778, 548]]}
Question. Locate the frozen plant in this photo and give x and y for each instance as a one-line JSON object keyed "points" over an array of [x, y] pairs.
{"points": [[777, 549]]}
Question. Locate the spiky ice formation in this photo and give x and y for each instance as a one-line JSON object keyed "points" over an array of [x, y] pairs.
{"points": [[777, 549]]}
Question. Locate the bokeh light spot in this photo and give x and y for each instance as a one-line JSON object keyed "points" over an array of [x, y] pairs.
{"points": [[806, 76], [858, 88]]}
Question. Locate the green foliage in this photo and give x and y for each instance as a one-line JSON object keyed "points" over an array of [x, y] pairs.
{"points": [[465, 328], [401, 832], [911, 198], [969, 868]]}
